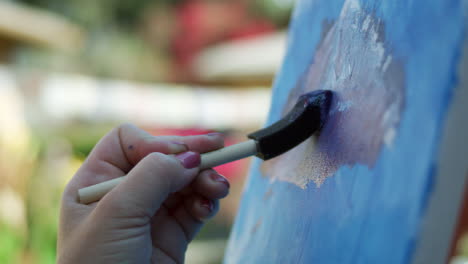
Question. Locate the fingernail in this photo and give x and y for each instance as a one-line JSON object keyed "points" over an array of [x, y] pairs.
{"points": [[177, 147], [214, 134], [208, 204], [218, 178], [189, 159]]}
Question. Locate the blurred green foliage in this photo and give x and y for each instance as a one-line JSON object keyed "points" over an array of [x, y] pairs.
{"points": [[98, 14], [12, 243], [117, 43], [83, 137], [277, 11], [114, 46], [127, 14], [113, 36]]}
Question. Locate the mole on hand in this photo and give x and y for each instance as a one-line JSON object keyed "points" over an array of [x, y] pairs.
{"points": [[130, 147]]}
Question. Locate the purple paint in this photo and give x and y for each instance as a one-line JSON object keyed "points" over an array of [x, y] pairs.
{"points": [[366, 110]]}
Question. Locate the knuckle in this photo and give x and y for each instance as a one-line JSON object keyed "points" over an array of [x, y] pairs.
{"points": [[166, 168], [161, 161], [125, 126]]}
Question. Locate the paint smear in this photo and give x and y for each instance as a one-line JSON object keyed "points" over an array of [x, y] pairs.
{"points": [[353, 61]]}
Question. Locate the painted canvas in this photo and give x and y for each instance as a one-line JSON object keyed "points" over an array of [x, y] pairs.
{"points": [[383, 180]]}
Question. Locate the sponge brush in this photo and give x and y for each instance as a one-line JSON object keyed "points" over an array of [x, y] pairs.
{"points": [[306, 117]]}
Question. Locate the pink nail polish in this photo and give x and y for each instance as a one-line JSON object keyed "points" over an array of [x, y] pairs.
{"points": [[218, 178], [189, 159], [208, 204]]}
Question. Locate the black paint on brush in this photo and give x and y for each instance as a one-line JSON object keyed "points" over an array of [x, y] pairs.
{"points": [[307, 116]]}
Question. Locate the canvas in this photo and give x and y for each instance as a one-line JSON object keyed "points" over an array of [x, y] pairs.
{"points": [[384, 179]]}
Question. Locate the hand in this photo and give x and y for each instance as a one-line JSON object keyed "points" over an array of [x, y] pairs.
{"points": [[154, 213]]}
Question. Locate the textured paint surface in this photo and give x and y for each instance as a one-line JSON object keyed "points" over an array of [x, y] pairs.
{"points": [[369, 99], [393, 67]]}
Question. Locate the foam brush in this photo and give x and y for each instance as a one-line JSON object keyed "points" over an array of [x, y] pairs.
{"points": [[303, 120]]}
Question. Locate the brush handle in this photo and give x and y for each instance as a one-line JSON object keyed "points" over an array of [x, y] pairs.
{"points": [[215, 158], [228, 154]]}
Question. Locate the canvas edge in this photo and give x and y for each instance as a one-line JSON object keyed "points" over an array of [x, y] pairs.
{"points": [[440, 220]]}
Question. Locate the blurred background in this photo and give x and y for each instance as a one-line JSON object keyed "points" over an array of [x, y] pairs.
{"points": [[72, 70]]}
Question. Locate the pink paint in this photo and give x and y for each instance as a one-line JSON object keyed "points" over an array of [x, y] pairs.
{"points": [[369, 99]]}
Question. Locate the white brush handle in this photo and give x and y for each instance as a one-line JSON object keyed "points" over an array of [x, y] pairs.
{"points": [[208, 160], [228, 154]]}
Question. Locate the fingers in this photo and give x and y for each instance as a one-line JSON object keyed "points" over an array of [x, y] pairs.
{"points": [[116, 153], [208, 188], [123, 147], [191, 214], [202, 203], [211, 184], [172, 230], [199, 143], [149, 183], [137, 143], [208, 184], [202, 208], [126, 145], [168, 237]]}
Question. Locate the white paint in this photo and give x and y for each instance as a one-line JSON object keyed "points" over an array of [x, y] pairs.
{"points": [[366, 23], [389, 120], [343, 106], [387, 63], [333, 68]]}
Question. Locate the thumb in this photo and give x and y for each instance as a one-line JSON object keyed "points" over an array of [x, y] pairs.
{"points": [[150, 182]]}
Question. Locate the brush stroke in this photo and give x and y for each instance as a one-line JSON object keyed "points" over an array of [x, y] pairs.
{"points": [[372, 211], [353, 61]]}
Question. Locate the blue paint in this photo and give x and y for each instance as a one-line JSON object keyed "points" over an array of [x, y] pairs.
{"points": [[363, 213]]}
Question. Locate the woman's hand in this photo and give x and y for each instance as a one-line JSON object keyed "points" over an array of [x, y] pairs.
{"points": [[154, 213]]}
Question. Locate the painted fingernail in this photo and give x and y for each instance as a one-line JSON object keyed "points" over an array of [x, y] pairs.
{"points": [[218, 178], [189, 159], [177, 147], [208, 204]]}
